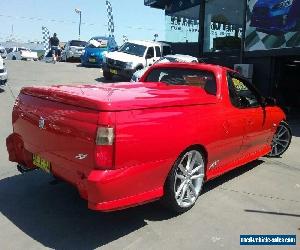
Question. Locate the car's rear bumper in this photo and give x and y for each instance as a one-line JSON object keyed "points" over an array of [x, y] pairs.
{"points": [[105, 190], [86, 62]]}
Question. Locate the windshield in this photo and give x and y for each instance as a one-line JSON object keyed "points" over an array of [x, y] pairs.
{"points": [[133, 49], [78, 43]]}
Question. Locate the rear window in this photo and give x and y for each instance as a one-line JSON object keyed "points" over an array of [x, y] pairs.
{"points": [[190, 77], [78, 43]]}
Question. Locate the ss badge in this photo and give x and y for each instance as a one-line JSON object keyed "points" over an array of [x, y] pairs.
{"points": [[41, 123]]}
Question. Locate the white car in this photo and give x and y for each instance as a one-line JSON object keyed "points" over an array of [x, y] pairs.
{"points": [[3, 73], [21, 53], [3, 52], [168, 58], [73, 50], [133, 56]]}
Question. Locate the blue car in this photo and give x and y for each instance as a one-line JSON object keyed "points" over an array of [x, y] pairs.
{"points": [[276, 16], [96, 49]]}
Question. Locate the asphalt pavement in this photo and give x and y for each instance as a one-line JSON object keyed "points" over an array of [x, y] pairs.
{"points": [[37, 213]]}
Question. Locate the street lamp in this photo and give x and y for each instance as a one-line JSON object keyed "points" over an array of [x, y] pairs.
{"points": [[78, 11]]}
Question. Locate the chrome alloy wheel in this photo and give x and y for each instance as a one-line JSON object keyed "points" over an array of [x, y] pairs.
{"points": [[281, 140], [189, 176]]}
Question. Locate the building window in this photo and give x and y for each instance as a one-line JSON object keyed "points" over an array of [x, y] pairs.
{"points": [[223, 25], [182, 21]]}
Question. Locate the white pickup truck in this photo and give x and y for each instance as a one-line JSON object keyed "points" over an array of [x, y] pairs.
{"points": [[21, 53], [133, 56]]}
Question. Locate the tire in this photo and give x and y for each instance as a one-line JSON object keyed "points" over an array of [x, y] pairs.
{"points": [[14, 58], [107, 75], [281, 140], [184, 184]]}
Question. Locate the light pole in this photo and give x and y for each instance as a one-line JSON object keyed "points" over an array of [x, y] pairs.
{"points": [[78, 11]]}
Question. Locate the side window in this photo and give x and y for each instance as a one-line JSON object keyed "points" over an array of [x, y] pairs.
{"points": [[150, 52], [157, 51], [240, 95], [166, 50]]}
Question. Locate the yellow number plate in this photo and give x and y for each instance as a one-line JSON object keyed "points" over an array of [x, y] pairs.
{"points": [[113, 71], [92, 60], [41, 163]]}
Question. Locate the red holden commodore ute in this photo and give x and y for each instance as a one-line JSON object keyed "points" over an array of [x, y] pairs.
{"points": [[126, 144]]}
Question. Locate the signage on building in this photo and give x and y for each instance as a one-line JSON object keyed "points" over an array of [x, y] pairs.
{"points": [[223, 30], [272, 24], [181, 29]]}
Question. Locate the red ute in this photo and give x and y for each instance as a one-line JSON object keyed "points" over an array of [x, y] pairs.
{"points": [[126, 144]]}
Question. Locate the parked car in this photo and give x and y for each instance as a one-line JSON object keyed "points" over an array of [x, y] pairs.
{"points": [[3, 73], [168, 58], [73, 50], [125, 144], [3, 52], [96, 49], [133, 56], [21, 53], [277, 16]]}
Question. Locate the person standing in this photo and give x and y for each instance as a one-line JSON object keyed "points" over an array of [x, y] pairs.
{"points": [[54, 45]]}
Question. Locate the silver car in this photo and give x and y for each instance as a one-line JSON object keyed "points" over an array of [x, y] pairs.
{"points": [[73, 50]]}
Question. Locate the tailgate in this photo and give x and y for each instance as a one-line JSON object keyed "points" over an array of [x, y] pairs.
{"points": [[62, 134]]}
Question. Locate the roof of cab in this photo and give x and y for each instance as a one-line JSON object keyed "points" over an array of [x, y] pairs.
{"points": [[148, 43]]}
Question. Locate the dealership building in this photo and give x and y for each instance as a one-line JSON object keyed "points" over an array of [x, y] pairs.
{"points": [[260, 38]]}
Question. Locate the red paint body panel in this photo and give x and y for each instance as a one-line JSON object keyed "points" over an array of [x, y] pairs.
{"points": [[153, 123]]}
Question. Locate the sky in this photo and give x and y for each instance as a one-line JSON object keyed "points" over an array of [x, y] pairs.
{"points": [[131, 17]]}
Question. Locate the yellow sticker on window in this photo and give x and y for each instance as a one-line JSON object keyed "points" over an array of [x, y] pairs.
{"points": [[238, 84]]}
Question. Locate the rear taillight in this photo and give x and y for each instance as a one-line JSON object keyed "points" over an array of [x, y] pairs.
{"points": [[105, 136], [105, 147]]}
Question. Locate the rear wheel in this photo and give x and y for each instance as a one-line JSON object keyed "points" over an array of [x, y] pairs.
{"points": [[185, 181], [281, 140], [107, 75]]}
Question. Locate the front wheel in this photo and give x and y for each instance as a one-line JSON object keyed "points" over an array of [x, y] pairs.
{"points": [[281, 140], [184, 183]]}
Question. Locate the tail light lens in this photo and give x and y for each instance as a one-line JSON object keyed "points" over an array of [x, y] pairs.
{"points": [[105, 147], [105, 136]]}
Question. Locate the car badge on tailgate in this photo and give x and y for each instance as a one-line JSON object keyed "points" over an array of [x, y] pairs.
{"points": [[41, 123], [81, 156]]}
